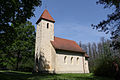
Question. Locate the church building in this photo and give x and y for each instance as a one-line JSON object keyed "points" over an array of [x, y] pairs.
{"points": [[54, 54]]}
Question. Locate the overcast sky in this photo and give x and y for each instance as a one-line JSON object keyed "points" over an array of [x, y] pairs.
{"points": [[74, 18]]}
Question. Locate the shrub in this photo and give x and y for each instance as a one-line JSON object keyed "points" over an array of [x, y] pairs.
{"points": [[104, 66]]}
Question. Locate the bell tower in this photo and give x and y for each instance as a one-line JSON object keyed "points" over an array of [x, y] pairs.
{"points": [[44, 36]]}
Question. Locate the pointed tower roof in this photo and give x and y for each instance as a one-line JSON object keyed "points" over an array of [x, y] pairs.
{"points": [[46, 16]]}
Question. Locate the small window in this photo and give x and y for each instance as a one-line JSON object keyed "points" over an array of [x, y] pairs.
{"points": [[65, 59], [77, 60], [71, 60], [47, 25]]}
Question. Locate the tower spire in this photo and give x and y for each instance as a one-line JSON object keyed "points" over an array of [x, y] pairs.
{"points": [[46, 16]]}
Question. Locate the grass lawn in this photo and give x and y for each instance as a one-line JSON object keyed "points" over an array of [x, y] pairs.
{"points": [[15, 75]]}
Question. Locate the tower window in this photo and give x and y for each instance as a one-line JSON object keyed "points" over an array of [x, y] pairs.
{"points": [[47, 25]]}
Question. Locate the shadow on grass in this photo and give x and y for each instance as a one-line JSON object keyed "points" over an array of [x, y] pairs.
{"points": [[13, 76], [9, 75], [93, 78]]}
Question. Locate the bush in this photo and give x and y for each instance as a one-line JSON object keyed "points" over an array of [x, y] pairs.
{"points": [[104, 66]]}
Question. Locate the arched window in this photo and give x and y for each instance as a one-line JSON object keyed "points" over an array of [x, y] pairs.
{"points": [[71, 60], [65, 59], [77, 60]]}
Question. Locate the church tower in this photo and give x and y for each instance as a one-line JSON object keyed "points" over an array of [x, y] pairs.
{"points": [[44, 36]]}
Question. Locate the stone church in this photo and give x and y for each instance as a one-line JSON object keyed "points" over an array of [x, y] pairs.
{"points": [[54, 54]]}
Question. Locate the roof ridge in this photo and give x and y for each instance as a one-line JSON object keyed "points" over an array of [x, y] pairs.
{"points": [[65, 39]]}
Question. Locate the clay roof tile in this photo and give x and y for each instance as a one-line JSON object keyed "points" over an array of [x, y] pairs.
{"points": [[45, 15], [65, 44], [86, 55]]}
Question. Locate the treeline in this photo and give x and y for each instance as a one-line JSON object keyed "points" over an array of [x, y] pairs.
{"points": [[19, 55], [17, 34], [102, 56]]}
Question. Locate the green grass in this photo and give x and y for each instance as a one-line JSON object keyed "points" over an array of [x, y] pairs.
{"points": [[16, 75]]}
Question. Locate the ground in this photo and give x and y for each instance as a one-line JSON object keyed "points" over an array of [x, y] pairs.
{"points": [[15, 75]]}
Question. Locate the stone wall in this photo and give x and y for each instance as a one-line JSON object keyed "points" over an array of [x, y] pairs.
{"points": [[44, 35]]}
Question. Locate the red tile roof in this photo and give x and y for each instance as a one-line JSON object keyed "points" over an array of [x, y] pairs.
{"points": [[65, 44], [45, 15], [86, 55]]}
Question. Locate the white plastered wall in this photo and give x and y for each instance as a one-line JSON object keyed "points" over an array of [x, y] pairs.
{"points": [[86, 66], [68, 66]]}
